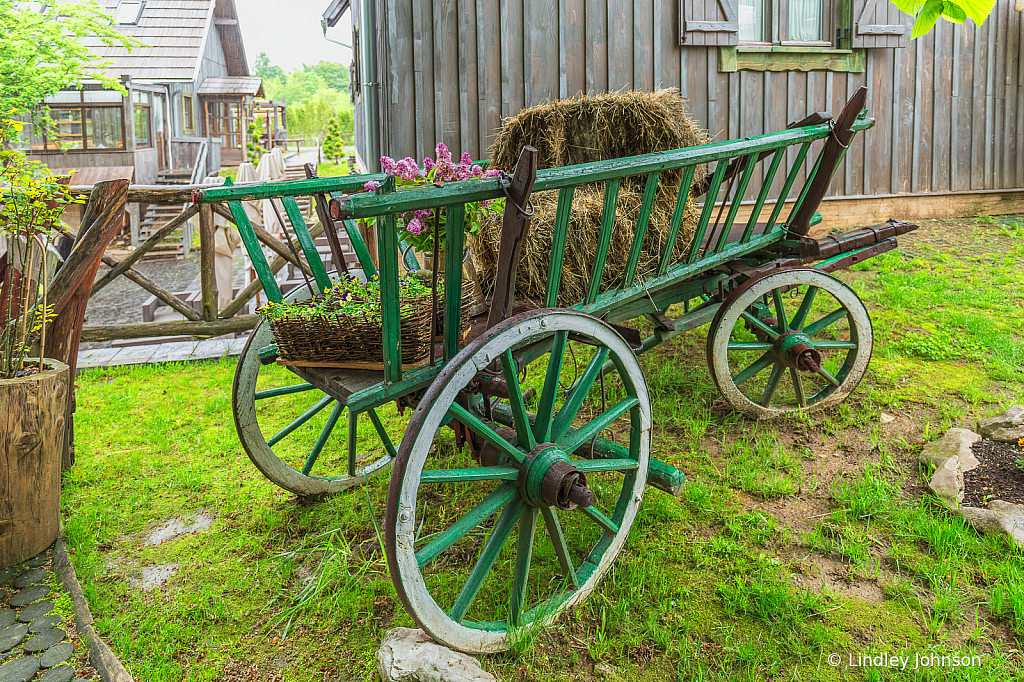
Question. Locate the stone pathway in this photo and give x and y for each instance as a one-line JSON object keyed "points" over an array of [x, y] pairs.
{"points": [[33, 639], [180, 351]]}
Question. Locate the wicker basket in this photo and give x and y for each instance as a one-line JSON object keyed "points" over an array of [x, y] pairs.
{"points": [[356, 341]]}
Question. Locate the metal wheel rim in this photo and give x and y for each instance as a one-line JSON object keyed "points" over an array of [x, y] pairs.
{"points": [[405, 482], [243, 399], [854, 367]]}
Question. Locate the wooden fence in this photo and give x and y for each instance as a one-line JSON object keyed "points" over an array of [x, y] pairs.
{"points": [[209, 321]]}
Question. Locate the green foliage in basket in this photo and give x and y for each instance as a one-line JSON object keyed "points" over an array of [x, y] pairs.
{"points": [[350, 298]]}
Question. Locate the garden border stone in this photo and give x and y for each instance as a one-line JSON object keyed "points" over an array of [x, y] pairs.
{"points": [[102, 658]]}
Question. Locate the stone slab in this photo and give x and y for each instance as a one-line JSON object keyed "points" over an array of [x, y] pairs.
{"points": [[6, 574], [30, 577], [44, 623], [37, 561], [62, 673], [7, 617], [1007, 427], [44, 640], [408, 655], [29, 595], [19, 670], [57, 654], [37, 610], [1001, 518], [12, 635]]}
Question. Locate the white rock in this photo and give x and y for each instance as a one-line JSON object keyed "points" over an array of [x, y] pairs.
{"points": [[408, 655], [1001, 518], [954, 443], [1007, 427], [886, 418], [948, 482]]}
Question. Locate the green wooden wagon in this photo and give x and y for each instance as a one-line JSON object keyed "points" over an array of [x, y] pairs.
{"points": [[542, 417]]}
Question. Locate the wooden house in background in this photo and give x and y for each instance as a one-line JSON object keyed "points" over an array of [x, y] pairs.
{"points": [[189, 97], [949, 107]]}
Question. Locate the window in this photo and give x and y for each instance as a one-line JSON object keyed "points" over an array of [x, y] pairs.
{"points": [[128, 12], [141, 106], [89, 120], [785, 22], [187, 116]]}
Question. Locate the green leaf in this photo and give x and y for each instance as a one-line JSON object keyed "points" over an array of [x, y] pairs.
{"points": [[978, 10], [909, 6], [953, 12], [927, 17]]}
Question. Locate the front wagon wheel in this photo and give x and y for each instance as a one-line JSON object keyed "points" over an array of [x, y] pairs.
{"points": [[480, 554], [796, 339]]}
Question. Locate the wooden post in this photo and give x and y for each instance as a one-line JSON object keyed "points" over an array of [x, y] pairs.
{"points": [[207, 275]]}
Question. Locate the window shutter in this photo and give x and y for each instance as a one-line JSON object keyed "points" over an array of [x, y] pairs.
{"points": [[709, 22], [877, 23]]}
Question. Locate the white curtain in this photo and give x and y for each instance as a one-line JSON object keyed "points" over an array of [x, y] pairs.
{"points": [[805, 20], [752, 20]]}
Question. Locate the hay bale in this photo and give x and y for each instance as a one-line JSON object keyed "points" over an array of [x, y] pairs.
{"points": [[584, 130]]}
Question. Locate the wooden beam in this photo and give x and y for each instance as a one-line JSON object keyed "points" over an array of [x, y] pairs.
{"points": [[207, 262], [270, 240], [239, 323], [152, 287]]}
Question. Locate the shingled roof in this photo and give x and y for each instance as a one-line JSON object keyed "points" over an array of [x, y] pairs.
{"points": [[175, 33]]}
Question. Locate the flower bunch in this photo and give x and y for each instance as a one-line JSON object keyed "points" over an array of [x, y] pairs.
{"points": [[417, 227], [347, 298]]}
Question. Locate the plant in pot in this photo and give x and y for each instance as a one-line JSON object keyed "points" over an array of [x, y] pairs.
{"points": [[33, 391], [419, 229]]}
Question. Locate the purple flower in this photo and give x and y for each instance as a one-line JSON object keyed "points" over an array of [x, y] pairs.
{"points": [[388, 164], [428, 163], [443, 155], [415, 226], [466, 159], [476, 172], [371, 185]]}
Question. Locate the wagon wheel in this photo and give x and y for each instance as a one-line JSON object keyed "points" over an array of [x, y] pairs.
{"points": [[790, 340], [287, 426], [465, 573]]}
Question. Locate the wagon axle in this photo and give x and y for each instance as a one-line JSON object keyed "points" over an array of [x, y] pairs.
{"points": [[795, 350], [548, 478]]}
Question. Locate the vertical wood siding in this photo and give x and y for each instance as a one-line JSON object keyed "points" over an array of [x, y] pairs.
{"points": [[949, 108]]}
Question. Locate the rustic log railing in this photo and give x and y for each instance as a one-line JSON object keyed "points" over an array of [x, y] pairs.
{"points": [[209, 321]]}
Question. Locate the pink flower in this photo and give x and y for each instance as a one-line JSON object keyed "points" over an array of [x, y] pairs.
{"points": [[371, 185], [492, 173], [415, 226], [443, 155], [476, 172], [388, 164], [428, 163], [466, 159]]}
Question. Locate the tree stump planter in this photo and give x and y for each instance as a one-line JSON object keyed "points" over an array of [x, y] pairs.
{"points": [[32, 411]]}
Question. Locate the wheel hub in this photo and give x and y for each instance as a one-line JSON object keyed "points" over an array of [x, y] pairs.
{"points": [[548, 478], [795, 349]]}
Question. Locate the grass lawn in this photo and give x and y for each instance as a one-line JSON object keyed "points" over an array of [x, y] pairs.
{"points": [[792, 541]]}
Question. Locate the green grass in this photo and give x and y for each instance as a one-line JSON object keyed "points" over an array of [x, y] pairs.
{"points": [[791, 541]]}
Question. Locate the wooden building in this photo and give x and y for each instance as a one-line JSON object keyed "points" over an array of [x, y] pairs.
{"points": [[949, 106], [189, 95]]}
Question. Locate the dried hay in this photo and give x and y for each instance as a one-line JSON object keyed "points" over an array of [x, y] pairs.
{"points": [[584, 130]]}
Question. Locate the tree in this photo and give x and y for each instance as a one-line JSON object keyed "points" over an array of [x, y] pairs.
{"points": [[335, 74], [333, 147], [265, 70], [928, 12], [40, 53], [253, 148]]}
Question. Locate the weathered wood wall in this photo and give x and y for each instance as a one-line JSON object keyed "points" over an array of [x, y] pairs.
{"points": [[949, 108]]}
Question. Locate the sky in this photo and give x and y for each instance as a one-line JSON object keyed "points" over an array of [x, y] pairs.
{"points": [[290, 32]]}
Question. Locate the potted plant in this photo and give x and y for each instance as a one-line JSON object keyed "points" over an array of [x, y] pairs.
{"points": [[33, 391]]}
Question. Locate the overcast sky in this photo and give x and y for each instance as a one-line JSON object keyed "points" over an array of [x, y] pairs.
{"points": [[290, 32]]}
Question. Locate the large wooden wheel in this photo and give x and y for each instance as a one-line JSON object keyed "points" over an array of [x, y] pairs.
{"points": [[465, 544], [796, 339], [292, 430]]}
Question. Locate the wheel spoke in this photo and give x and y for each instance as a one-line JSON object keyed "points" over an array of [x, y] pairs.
{"points": [[508, 369], [825, 322], [572, 440], [780, 311], [283, 390], [773, 383], [524, 556], [558, 541], [563, 420], [481, 429], [798, 386], [498, 473], [321, 440], [804, 309], [835, 345], [749, 372], [831, 379], [749, 345], [502, 529], [473, 518], [595, 465], [546, 407], [759, 325], [599, 518], [303, 418]]}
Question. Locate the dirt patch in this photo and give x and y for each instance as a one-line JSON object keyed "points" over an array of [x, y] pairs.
{"points": [[998, 477], [177, 527]]}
